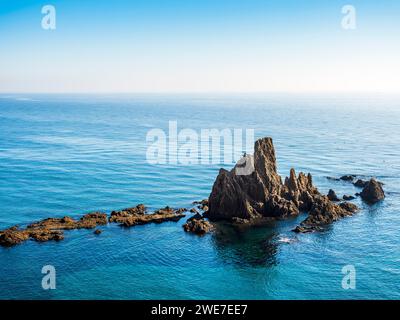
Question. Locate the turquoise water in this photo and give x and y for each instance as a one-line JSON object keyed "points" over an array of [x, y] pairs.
{"points": [[67, 155]]}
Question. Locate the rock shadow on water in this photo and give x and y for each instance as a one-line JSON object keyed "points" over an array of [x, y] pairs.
{"points": [[246, 247]]}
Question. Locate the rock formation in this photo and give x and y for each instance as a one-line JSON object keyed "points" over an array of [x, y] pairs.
{"points": [[88, 221], [198, 225], [202, 205], [244, 198], [372, 192], [332, 196], [347, 177], [360, 183], [323, 212], [50, 229], [137, 216], [372, 189], [122, 215]]}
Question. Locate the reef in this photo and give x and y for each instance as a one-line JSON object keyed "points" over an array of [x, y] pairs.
{"points": [[50, 228], [53, 228]]}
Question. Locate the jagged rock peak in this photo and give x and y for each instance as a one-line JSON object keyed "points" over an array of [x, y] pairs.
{"points": [[260, 193]]}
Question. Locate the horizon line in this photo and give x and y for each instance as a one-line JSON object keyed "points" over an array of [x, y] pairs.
{"points": [[196, 92]]}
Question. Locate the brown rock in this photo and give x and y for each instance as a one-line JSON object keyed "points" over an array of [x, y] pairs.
{"points": [[181, 210], [91, 220], [372, 192], [120, 216], [198, 226], [324, 212], [43, 235], [261, 193], [332, 196], [197, 216], [201, 204], [88, 221], [12, 236], [50, 228], [347, 177], [360, 183], [135, 216]]}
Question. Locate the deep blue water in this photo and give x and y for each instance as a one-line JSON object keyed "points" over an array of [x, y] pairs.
{"points": [[68, 155]]}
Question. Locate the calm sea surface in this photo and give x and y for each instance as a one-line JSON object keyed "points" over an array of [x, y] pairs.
{"points": [[68, 155]]}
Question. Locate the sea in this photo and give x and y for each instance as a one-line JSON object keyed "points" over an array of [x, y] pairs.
{"points": [[70, 154]]}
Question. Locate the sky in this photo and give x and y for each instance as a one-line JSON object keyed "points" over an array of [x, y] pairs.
{"points": [[199, 46]]}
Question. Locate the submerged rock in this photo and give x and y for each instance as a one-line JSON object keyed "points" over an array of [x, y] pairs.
{"points": [[333, 178], [261, 193], [372, 192], [348, 198], [347, 177]]}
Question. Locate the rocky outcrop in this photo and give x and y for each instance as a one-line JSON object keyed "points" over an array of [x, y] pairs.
{"points": [[372, 192], [261, 193], [360, 183], [198, 225], [50, 229], [324, 212], [348, 197], [136, 216], [332, 196], [372, 189], [13, 236], [122, 215], [53, 228], [88, 221], [347, 177], [202, 205]]}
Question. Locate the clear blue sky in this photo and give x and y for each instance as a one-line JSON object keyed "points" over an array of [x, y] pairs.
{"points": [[199, 46]]}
